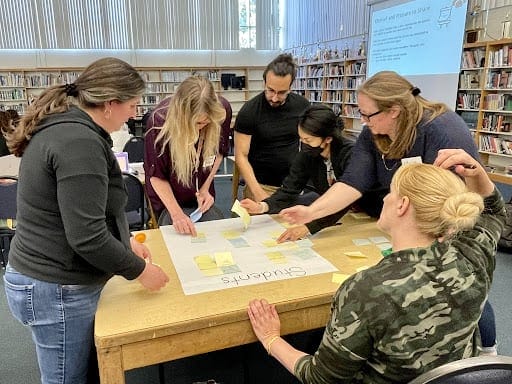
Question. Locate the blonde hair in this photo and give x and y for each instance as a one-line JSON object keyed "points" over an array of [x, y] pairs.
{"points": [[104, 80], [442, 203], [388, 89], [194, 97]]}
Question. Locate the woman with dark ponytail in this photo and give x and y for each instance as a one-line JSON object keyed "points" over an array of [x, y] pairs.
{"points": [[324, 155]]}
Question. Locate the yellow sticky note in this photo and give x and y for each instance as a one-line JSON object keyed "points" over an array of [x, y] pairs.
{"points": [[205, 262], [270, 243], [223, 259], [242, 212], [230, 234], [339, 278], [275, 234], [356, 254]]}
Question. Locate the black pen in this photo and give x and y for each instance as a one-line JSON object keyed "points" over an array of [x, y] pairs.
{"points": [[467, 166]]}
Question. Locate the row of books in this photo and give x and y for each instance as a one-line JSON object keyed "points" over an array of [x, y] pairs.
{"points": [[469, 80], [358, 68], [161, 87], [20, 108], [501, 57], [313, 83], [498, 102], [36, 80], [333, 96], [12, 94], [352, 111], [468, 100], [474, 58], [335, 70], [496, 122], [499, 80], [495, 145], [315, 71]]}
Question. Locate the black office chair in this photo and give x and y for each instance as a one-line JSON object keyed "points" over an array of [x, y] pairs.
{"points": [[8, 190], [474, 370], [135, 149], [135, 208]]}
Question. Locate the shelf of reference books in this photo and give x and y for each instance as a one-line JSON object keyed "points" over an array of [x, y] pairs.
{"points": [[19, 88], [484, 98], [333, 81]]}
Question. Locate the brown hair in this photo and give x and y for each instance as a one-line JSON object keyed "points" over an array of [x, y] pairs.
{"points": [[388, 89], [104, 80], [282, 66]]}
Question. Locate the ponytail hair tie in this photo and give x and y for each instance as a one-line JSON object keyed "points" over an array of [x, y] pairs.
{"points": [[71, 89], [415, 91]]}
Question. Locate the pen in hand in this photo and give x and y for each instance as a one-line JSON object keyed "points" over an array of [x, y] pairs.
{"points": [[467, 166]]}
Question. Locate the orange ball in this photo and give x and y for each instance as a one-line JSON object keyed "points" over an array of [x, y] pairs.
{"points": [[140, 237]]}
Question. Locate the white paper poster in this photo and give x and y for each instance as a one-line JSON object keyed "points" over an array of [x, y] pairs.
{"points": [[225, 255]]}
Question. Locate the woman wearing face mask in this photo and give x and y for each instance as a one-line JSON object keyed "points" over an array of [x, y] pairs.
{"points": [[323, 156]]}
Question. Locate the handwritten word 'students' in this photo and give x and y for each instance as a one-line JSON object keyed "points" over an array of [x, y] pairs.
{"points": [[235, 279]]}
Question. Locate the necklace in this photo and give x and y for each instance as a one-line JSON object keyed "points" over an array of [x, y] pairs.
{"points": [[385, 165]]}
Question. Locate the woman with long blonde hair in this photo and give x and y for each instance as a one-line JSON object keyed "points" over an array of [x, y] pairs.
{"points": [[181, 159]]}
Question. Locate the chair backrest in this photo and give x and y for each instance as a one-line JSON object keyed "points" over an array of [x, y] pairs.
{"points": [[135, 207], [135, 149], [474, 370], [8, 190]]}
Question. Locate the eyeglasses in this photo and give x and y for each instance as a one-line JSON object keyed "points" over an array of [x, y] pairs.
{"points": [[367, 117], [271, 92]]}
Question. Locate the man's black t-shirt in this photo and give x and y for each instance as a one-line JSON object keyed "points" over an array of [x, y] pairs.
{"points": [[274, 141]]}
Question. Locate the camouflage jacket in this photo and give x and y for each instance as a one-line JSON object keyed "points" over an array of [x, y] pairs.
{"points": [[415, 310]]}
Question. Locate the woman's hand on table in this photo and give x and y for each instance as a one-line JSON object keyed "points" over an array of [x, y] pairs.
{"points": [[182, 224], [264, 320], [153, 277], [294, 233]]}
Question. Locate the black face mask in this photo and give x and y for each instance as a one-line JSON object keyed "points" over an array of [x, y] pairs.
{"points": [[313, 151]]}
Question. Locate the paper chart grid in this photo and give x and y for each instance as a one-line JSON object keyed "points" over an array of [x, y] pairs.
{"points": [[224, 255]]}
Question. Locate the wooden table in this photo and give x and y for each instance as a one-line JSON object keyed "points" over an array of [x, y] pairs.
{"points": [[136, 328]]}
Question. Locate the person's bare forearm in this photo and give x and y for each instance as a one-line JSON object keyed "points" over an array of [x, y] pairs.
{"points": [[285, 354], [165, 194], [213, 172], [337, 197], [246, 171]]}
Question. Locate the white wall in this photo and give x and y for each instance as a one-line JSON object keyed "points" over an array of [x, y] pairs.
{"points": [[179, 58]]}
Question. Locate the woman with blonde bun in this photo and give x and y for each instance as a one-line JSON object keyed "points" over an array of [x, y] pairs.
{"points": [[419, 307]]}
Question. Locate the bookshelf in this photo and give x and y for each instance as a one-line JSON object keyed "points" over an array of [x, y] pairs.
{"points": [[235, 84], [485, 102], [333, 81], [18, 88]]}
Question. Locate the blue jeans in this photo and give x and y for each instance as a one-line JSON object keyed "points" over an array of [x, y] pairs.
{"points": [[487, 326], [61, 318]]}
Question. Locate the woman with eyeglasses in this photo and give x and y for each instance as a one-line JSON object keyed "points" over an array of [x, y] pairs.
{"points": [[400, 127], [324, 155]]}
